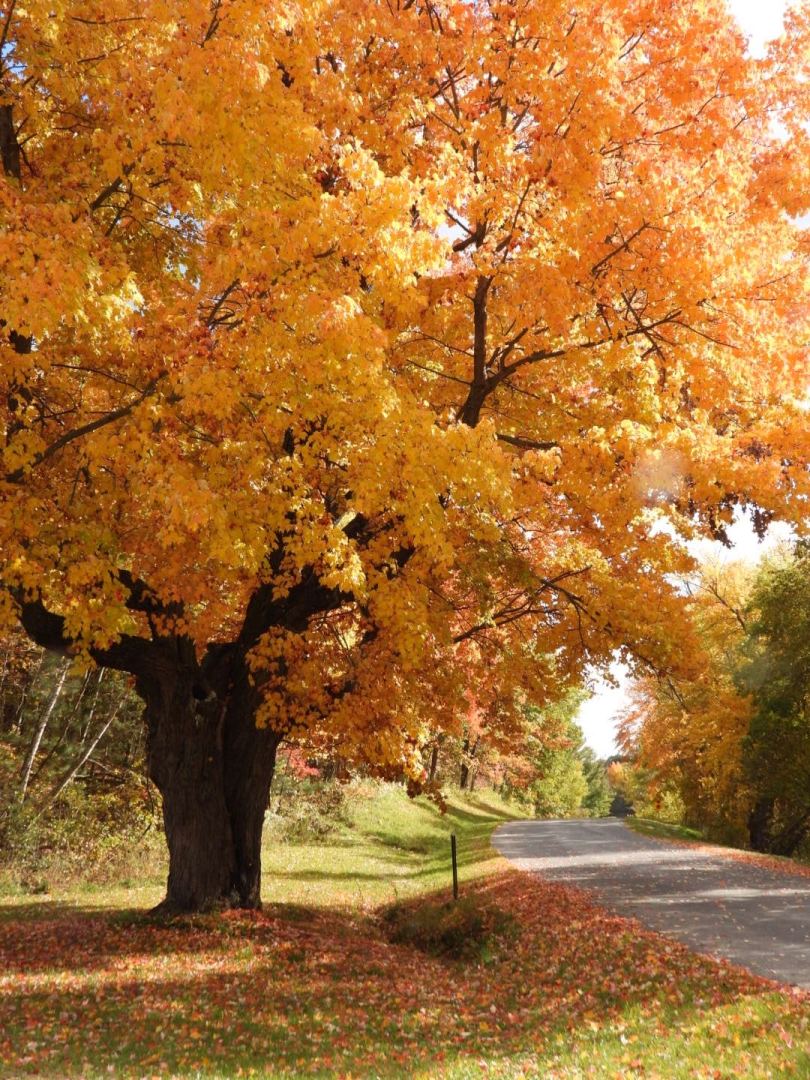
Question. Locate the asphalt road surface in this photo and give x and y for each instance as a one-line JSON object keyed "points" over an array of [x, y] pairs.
{"points": [[757, 918]]}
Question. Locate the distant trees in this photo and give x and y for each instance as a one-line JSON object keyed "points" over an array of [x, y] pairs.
{"points": [[72, 760], [775, 673], [554, 773], [729, 736]]}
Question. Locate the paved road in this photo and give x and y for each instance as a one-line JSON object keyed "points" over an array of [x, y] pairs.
{"points": [[757, 918]]}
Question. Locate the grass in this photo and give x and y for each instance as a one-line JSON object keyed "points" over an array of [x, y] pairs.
{"points": [[392, 848], [315, 986], [662, 830]]}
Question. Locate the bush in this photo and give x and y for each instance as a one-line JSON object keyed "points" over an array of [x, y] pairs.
{"points": [[103, 838], [468, 928], [307, 810]]}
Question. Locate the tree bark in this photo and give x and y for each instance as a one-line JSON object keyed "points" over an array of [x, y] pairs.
{"points": [[213, 768], [759, 825], [434, 762], [250, 761], [185, 761]]}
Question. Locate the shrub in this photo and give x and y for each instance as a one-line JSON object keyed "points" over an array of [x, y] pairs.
{"points": [[469, 928], [97, 838], [308, 810]]}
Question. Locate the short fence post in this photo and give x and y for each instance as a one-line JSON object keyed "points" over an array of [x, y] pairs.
{"points": [[455, 865]]}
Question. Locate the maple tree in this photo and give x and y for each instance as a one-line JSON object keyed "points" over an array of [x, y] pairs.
{"points": [[355, 354]]}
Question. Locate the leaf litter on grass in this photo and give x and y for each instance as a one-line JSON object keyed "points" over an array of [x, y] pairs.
{"points": [[576, 991]]}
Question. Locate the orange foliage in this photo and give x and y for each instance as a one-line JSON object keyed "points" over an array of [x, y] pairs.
{"points": [[688, 729]]}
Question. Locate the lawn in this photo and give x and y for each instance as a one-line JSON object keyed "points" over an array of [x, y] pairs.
{"points": [[314, 985]]}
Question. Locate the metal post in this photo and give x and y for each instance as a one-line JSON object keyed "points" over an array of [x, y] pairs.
{"points": [[455, 865]]}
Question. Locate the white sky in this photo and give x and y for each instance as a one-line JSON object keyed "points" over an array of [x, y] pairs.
{"points": [[761, 21]]}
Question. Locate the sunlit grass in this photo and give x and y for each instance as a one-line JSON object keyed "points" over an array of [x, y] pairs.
{"points": [[394, 848], [663, 830]]}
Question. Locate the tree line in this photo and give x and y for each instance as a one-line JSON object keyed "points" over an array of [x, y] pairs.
{"points": [[725, 744]]}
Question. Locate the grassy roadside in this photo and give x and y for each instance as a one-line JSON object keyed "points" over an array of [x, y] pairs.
{"points": [[314, 986], [679, 834], [662, 830], [389, 848]]}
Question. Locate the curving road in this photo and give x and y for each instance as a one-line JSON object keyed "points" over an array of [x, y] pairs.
{"points": [[757, 918]]}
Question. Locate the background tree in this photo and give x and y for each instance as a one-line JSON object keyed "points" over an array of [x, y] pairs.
{"points": [[72, 778], [684, 733], [354, 354], [550, 770], [728, 733], [776, 675]]}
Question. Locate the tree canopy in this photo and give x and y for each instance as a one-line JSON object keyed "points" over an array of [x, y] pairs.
{"points": [[728, 734], [355, 354]]}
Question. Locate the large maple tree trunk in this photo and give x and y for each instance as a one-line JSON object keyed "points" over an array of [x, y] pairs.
{"points": [[250, 760], [213, 768], [186, 762]]}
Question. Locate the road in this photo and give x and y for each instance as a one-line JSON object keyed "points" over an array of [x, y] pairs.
{"points": [[715, 904]]}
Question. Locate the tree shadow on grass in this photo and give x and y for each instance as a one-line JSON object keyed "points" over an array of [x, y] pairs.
{"points": [[47, 909], [492, 813], [410, 870], [314, 991]]}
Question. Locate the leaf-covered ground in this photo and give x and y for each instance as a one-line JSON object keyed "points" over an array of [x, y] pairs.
{"points": [[318, 989]]}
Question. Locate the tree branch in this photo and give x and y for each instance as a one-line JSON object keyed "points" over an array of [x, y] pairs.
{"points": [[18, 475]]}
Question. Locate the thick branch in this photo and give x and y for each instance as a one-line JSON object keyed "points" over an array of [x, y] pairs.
{"points": [[46, 629], [9, 147], [524, 443]]}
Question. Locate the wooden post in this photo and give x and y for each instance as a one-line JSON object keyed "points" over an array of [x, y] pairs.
{"points": [[455, 865]]}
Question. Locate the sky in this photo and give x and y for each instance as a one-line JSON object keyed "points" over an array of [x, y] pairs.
{"points": [[761, 21]]}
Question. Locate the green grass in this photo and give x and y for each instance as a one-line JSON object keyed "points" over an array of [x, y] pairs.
{"points": [[392, 848], [663, 830]]}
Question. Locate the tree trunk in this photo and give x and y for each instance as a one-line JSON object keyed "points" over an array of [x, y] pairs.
{"points": [[211, 764], [467, 761], [213, 768], [759, 825], [250, 760], [185, 761], [39, 731], [434, 762], [73, 771]]}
